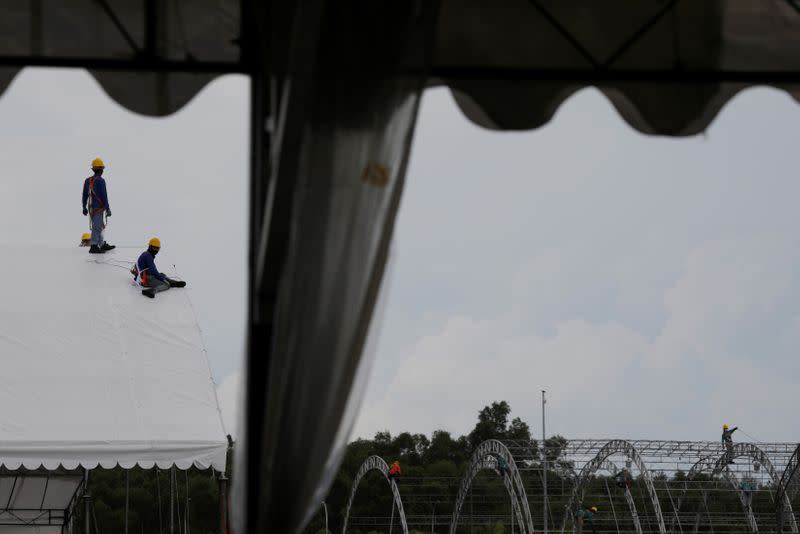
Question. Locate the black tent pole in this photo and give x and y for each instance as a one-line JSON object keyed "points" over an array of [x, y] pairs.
{"points": [[127, 491], [86, 500]]}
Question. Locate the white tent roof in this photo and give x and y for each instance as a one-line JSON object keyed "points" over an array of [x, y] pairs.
{"points": [[96, 374]]}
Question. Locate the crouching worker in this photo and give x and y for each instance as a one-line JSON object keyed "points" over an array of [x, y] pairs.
{"points": [[147, 274]]}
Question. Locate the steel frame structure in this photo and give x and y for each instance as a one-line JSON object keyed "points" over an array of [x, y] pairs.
{"points": [[486, 457], [612, 468], [709, 464], [718, 465], [788, 486], [616, 446], [658, 466], [375, 463]]}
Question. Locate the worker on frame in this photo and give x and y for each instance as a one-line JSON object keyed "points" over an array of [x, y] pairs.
{"points": [[95, 204], [394, 470], [585, 515], [86, 239], [727, 440], [147, 275], [623, 479], [747, 488], [502, 465]]}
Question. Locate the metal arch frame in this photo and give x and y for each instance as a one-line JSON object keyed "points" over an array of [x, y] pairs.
{"points": [[730, 479], [613, 469], [375, 463], [613, 447], [788, 485], [719, 464], [485, 458], [491, 464]]}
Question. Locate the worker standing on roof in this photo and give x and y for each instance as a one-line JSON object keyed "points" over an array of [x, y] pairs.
{"points": [[727, 440], [394, 470], [95, 203], [585, 515], [147, 275]]}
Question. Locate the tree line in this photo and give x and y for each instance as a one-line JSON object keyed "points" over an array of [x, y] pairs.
{"points": [[432, 470]]}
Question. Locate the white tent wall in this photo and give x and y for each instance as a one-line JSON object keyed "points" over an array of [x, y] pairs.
{"points": [[95, 374]]}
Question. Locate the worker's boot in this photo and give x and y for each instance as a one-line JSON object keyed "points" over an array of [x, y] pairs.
{"points": [[94, 249], [176, 283], [149, 292], [106, 247]]}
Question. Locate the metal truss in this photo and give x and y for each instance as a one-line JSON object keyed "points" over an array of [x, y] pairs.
{"points": [[670, 448], [690, 479], [616, 446], [376, 463], [718, 464], [612, 468], [787, 487], [486, 457]]}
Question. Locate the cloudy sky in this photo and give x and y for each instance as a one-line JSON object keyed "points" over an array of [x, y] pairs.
{"points": [[649, 284]]}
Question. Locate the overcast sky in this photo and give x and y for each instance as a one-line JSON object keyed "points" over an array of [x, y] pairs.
{"points": [[649, 284]]}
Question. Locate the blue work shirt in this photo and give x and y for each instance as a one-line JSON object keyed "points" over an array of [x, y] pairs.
{"points": [[99, 194], [147, 267]]}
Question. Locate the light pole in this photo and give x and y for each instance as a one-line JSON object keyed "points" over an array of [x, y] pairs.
{"points": [[544, 464]]}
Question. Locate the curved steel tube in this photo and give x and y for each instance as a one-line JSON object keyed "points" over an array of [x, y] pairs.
{"points": [[375, 463], [788, 486], [485, 457], [611, 468], [613, 447], [718, 465]]}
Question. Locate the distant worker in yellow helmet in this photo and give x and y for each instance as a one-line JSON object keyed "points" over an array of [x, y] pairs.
{"points": [[85, 239], [147, 275], [585, 515], [95, 203]]}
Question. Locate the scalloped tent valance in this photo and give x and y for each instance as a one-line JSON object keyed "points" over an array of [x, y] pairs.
{"points": [[667, 66], [151, 57]]}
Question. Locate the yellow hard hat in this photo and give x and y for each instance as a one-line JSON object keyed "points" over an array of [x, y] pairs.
{"points": [[97, 163], [86, 237], [725, 426], [155, 242], [594, 509]]}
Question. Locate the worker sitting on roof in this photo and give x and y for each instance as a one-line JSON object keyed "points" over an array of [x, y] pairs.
{"points": [[584, 515], [95, 202], [623, 479], [394, 470], [727, 440], [85, 239], [147, 275]]}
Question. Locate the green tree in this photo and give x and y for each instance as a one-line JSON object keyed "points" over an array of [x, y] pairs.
{"points": [[492, 423]]}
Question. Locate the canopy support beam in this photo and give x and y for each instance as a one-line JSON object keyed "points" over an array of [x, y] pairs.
{"points": [[606, 76]]}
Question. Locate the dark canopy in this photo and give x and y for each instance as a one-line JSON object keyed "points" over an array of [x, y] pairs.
{"points": [[335, 92], [668, 66]]}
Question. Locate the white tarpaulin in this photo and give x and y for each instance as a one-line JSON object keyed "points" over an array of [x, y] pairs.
{"points": [[94, 373]]}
